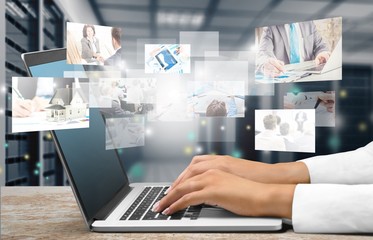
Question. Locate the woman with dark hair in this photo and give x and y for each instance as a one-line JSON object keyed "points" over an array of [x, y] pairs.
{"points": [[90, 45]]}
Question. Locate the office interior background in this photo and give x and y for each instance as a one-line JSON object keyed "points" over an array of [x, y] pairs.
{"points": [[31, 159]]}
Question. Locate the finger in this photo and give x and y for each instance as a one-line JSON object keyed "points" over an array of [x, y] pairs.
{"points": [[191, 199], [192, 185], [279, 65], [195, 160], [194, 170], [21, 112]]}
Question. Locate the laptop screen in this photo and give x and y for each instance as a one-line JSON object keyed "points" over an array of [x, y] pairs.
{"points": [[97, 174]]}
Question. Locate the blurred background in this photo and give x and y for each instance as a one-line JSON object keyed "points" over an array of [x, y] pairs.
{"points": [[30, 158]]}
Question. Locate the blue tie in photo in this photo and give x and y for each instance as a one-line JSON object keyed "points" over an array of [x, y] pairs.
{"points": [[294, 44]]}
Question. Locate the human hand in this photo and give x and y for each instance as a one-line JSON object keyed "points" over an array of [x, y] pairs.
{"points": [[235, 194], [273, 67], [236, 166], [39, 104], [322, 57], [328, 100], [25, 107], [295, 172], [21, 107]]}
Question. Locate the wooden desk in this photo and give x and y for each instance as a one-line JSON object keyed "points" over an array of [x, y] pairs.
{"points": [[52, 213]]}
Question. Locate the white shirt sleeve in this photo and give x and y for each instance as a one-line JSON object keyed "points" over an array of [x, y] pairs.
{"points": [[340, 198], [353, 167], [333, 208]]}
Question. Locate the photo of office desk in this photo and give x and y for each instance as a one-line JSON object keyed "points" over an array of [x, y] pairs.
{"points": [[52, 213]]}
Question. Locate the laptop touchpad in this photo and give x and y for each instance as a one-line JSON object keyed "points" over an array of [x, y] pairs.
{"points": [[214, 212]]}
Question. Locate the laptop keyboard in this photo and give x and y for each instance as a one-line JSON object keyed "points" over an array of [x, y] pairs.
{"points": [[140, 209]]}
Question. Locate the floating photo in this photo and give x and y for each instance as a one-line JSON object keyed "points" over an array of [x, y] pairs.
{"points": [[285, 130], [40, 104], [216, 99], [299, 52], [125, 132], [89, 44], [322, 102], [167, 58]]}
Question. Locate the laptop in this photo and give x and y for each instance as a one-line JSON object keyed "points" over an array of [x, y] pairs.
{"points": [[334, 62], [107, 200]]}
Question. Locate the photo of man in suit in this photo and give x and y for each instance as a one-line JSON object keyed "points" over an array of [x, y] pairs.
{"points": [[116, 58], [290, 43]]}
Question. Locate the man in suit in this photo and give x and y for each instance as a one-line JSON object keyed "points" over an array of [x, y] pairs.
{"points": [[116, 58], [290, 43]]}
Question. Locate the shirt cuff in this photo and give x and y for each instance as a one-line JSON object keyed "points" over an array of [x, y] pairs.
{"points": [[333, 208]]}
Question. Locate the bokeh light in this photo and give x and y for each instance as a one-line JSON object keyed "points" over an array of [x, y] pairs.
{"points": [[203, 122], [343, 93], [120, 151], [149, 132], [38, 165], [363, 127], [199, 150], [236, 154], [334, 143], [191, 136], [26, 156], [222, 128], [36, 172], [248, 127], [188, 150]]}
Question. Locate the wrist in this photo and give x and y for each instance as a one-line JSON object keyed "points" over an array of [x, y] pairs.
{"points": [[290, 173], [277, 200]]}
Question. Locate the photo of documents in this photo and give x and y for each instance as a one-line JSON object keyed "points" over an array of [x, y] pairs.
{"points": [[322, 102], [216, 99], [89, 44], [299, 52], [285, 130], [40, 104], [167, 58], [125, 132]]}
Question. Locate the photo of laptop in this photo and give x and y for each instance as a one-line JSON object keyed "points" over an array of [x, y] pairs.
{"points": [[334, 62], [107, 200]]}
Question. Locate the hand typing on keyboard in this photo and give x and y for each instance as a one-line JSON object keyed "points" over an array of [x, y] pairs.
{"points": [[240, 186]]}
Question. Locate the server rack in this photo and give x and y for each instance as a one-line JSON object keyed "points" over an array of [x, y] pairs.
{"points": [[30, 158]]}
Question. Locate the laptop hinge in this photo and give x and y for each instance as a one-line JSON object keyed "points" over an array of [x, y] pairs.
{"points": [[106, 210]]}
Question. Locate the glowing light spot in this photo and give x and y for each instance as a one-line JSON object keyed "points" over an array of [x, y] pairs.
{"points": [[36, 172], [203, 122], [26, 156], [295, 89], [191, 136], [199, 149], [48, 136], [3, 89], [188, 150], [222, 128], [237, 154], [38, 165], [363, 127], [2, 111], [47, 178], [120, 151], [343, 93], [6, 145], [334, 143], [149, 132], [248, 127]]}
